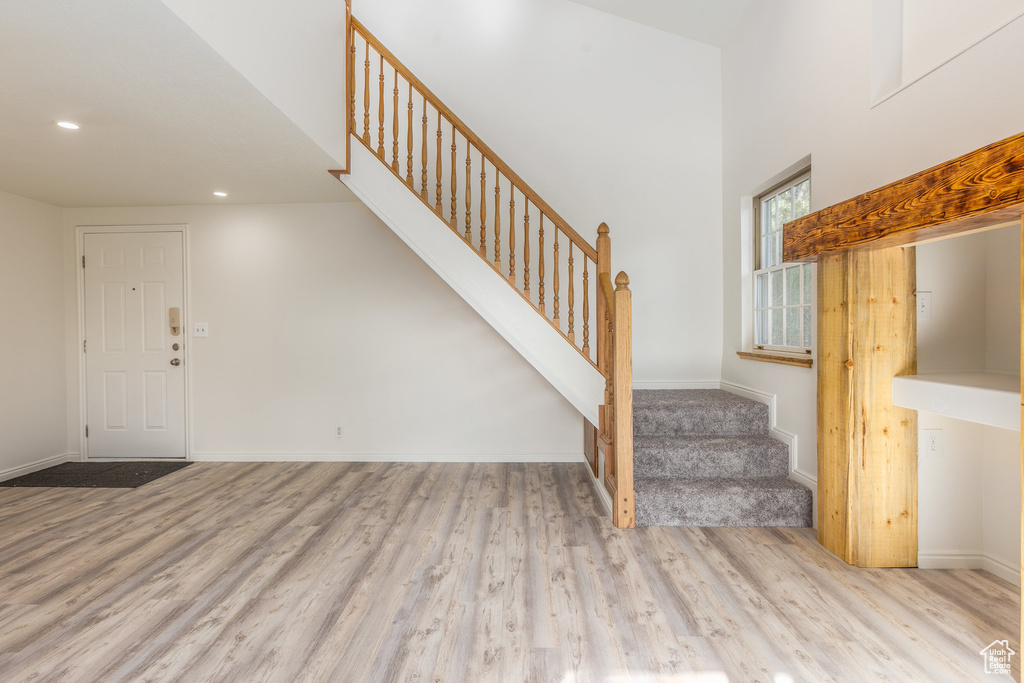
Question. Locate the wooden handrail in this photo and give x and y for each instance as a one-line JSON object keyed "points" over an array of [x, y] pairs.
{"points": [[493, 158], [541, 228]]}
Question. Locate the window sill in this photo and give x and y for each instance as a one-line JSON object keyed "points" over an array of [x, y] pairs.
{"points": [[780, 358]]}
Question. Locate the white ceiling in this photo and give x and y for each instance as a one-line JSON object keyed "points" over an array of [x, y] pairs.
{"points": [[165, 120], [706, 21]]}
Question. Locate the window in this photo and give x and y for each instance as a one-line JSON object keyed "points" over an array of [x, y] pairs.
{"points": [[782, 292]]}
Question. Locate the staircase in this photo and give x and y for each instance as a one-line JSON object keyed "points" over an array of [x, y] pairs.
{"points": [[704, 458]]}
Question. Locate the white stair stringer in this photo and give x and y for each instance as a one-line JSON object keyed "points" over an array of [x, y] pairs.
{"points": [[476, 282]]}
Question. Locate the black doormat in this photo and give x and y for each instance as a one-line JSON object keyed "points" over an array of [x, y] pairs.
{"points": [[104, 475]]}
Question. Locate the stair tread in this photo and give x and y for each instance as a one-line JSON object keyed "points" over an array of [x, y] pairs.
{"points": [[710, 484], [697, 412], [687, 441], [688, 397]]}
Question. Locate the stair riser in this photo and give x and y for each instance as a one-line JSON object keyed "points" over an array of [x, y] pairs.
{"points": [[791, 508], [733, 465], [745, 420]]}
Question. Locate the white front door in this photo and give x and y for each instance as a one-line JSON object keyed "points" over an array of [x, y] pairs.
{"points": [[135, 377]]}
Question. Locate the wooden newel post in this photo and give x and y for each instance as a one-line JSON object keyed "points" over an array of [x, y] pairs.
{"points": [[624, 515], [604, 267]]}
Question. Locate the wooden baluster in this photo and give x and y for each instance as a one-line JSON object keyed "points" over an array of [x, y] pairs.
{"points": [[439, 170], [554, 300], [540, 265], [469, 194], [351, 76], [572, 291], [455, 182], [409, 144], [604, 267], [394, 130], [380, 113], [366, 97], [423, 152], [586, 307], [483, 206], [622, 506], [526, 247], [512, 234], [497, 221]]}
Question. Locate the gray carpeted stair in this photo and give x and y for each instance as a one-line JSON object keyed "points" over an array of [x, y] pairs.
{"points": [[704, 458]]}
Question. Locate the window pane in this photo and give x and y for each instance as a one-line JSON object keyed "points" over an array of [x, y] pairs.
{"points": [[793, 286], [802, 203], [793, 327], [777, 325], [772, 222], [807, 327], [761, 291], [762, 256], [769, 258], [785, 207], [777, 258], [762, 328], [807, 283], [777, 288]]}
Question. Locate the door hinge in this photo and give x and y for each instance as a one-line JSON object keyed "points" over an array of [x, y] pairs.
{"points": [[83, 260], [87, 431], [85, 343]]}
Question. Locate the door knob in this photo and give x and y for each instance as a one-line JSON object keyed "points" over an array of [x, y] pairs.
{"points": [[175, 362]]}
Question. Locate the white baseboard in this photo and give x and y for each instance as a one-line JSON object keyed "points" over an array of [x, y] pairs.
{"points": [[954, 559], [385, 457], [14, 472], [678, 384]]}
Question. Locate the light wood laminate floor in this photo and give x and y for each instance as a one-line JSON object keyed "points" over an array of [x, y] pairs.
{"points": [[450, 572]]}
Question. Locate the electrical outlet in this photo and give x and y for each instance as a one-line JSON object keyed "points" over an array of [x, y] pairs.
{"points": [[201, 330], [931, 442], [924, 305], [337, 432]]}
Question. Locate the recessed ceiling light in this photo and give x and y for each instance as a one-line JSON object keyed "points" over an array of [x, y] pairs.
{"points": [[69, 125], [220, 194]]}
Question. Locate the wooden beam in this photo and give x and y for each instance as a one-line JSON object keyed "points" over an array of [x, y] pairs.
{"points": [[977, 190], [867, 448]]}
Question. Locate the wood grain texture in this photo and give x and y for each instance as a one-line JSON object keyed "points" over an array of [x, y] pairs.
{"points": [[778, 358], [450, 572], [980, 189], [867, 448]]}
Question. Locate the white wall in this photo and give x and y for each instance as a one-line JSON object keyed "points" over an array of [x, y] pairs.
{"points": [[609, 121], [319, 316], [969, 497], [796, 82], [293, 52], [31, 336], [935, 30]]}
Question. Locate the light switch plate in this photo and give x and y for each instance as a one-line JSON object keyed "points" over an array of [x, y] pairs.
{"points": [[924, 305], [201, 330]]}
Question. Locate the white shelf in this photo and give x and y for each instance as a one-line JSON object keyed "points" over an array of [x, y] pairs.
{"points": [[984, 397]]}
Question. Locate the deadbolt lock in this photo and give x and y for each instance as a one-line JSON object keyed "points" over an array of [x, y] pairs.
{"points": [[175, 346]]}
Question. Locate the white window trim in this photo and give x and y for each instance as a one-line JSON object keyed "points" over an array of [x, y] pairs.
{"points": [[749, 231]]}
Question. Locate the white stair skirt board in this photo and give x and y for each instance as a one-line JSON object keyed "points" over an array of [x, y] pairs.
{"points": [[476, 282], [387, 457]]}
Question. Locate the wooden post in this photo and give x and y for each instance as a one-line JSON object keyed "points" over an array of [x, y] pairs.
{"points": [[604, 267], [1022, 421], [623, 514], [867, 448]]}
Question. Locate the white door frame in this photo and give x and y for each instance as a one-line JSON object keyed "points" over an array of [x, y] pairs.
{"points": [[80, 232]]}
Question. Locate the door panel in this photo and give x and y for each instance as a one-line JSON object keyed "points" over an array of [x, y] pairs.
{"points": [[135, 397]]}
